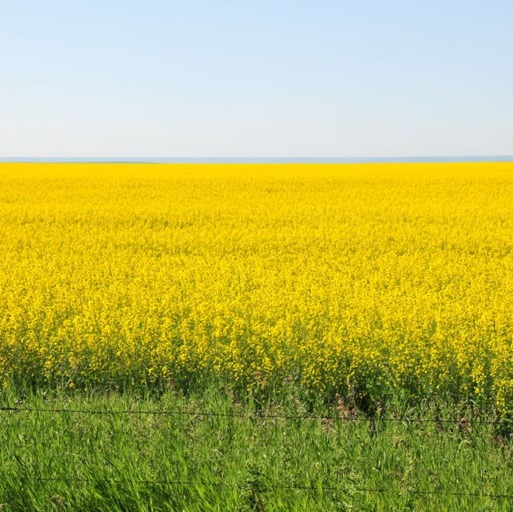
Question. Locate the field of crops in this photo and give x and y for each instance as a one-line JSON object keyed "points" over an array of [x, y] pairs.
{"points": [[363, 281]]}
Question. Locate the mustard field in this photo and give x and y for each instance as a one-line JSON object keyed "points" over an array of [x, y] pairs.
{"points": [[364, 281]]}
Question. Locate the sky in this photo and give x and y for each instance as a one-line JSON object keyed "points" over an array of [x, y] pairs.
{"points": [[255, 78]]}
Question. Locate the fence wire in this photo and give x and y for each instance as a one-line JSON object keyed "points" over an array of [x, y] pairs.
{"points": [[256, 415], [463, 421], [274, 488]]}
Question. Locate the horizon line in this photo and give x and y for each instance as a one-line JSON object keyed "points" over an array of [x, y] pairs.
{"points": [[326, 160]]}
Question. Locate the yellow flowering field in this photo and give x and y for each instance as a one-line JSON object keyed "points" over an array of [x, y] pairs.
{"points": [[370, 279]]}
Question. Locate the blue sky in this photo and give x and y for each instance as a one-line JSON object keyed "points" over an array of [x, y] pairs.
{"points": [[259, 78]]}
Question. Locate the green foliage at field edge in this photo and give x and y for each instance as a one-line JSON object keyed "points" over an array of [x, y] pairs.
{"points": [[245, 456]]}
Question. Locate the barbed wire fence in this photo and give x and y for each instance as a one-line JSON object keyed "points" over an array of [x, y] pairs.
{"points": [[258, 489], [255, 415], [272, 488]]}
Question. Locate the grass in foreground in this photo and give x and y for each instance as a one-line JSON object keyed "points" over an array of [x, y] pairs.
{"points": [[229, 457]]}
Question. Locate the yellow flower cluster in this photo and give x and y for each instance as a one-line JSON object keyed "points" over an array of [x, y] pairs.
{"points": [[372, 279]]}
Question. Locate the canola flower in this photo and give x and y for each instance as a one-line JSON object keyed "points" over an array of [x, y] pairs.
{"points": [[370, 279]]}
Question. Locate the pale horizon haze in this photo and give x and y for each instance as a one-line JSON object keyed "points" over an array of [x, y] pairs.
{"points": [[266, 79]]}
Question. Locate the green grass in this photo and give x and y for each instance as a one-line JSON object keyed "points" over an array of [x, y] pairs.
{"points": [[240, 459]]}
